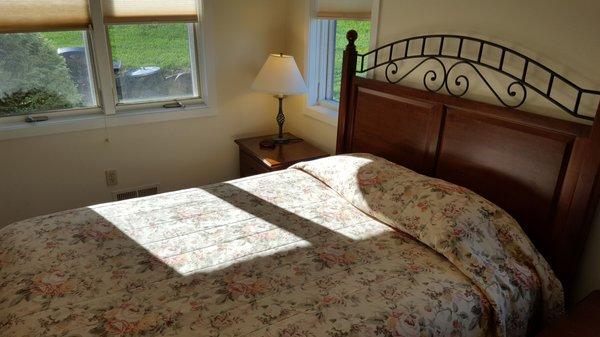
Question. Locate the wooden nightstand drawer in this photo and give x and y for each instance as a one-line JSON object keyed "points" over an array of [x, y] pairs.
{"points": [[256, 160], [250, 166]]}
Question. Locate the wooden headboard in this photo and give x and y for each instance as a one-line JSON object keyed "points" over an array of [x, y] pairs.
{"points": [[543, 171]]}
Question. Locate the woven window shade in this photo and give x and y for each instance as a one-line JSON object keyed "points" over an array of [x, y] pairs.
{"points": [[43, 15], [344, 9], [131, 11]]}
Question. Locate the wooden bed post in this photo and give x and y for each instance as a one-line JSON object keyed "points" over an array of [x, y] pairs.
{"points": [[583, 206], [348, 73]]}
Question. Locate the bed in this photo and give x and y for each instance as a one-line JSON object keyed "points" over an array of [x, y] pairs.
{"points": [[351, 245]]}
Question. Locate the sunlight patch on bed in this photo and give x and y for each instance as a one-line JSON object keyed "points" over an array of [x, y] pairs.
{"points": [[202, 252], [208, 229]]}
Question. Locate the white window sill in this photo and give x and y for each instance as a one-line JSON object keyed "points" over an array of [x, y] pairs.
{"points": [[55, 125], [324, 113]]}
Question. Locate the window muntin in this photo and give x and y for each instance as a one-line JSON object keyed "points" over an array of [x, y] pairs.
{"points": [[153, 62], [43, 72]]}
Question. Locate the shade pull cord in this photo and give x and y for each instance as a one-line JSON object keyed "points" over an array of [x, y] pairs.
{"points": [[106, 131]]}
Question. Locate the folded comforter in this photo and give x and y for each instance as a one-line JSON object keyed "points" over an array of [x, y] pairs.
{"points": [[478, 237]]}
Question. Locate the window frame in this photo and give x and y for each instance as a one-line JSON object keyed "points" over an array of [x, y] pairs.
{"points": [[322, 59], [327, 60], [99, 56], [80, 111], [158, 104]]}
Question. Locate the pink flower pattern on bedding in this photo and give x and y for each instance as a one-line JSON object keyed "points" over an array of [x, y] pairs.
{"points": [[479, 238], [280, 254]]}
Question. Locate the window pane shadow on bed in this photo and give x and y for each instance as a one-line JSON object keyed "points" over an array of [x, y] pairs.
{"points": [[270, 242], [239, 226]]}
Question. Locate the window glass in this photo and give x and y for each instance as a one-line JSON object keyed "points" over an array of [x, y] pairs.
{"points": [[362, 45], [152, 62], [41, 72]]}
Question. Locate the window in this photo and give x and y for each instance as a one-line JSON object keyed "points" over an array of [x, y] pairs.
{"points": [[153, 62], [45, 72], [55, 55], [331, 20], [362, 45], [329, 52]]}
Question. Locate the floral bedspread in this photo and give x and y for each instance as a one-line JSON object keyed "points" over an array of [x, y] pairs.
{"points": [[282, 254], [478, 237]]}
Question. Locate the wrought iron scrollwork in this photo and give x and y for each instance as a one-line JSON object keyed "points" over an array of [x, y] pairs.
{"points": [[443, 69], [510, 90], [431, 75]]}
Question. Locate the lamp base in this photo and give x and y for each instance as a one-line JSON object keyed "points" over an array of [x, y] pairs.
{"points": [[280, 140], [272, 143]]}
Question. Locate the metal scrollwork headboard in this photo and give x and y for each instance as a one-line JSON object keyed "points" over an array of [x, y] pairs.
{"points": [[430, 49]]}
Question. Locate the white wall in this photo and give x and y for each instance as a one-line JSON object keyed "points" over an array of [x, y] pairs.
{"points": [[562, 34], [39, 175]]}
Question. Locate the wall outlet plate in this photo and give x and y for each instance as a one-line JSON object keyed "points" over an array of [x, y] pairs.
{"points": [[111, 177]]}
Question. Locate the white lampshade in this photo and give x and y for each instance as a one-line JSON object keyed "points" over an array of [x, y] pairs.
{"points": [[280, 76]]}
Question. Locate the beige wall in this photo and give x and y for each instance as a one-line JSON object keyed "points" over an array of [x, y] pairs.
{"points": [[562, 34], [39, 175]]}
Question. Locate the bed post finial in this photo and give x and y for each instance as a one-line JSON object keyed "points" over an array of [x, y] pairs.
{"points": [[351, 36], [348, 73]]}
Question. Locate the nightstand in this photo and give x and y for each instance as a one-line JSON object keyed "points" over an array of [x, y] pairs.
{"points": [[582, 321], [256, 160]]}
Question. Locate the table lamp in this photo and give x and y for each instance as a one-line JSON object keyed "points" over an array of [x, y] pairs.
{"points": [[280, 76]]}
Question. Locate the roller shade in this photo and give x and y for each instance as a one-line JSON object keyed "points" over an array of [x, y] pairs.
{"points": [[344, 9], [124, 11], [43, 15]]}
